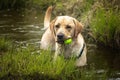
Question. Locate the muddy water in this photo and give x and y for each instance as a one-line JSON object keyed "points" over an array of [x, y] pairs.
{"points": [[25, 28]]}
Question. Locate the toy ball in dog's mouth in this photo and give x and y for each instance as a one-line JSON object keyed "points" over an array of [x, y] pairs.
{"points": [[68, 41]]}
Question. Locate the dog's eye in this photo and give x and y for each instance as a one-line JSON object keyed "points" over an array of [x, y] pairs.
{"points": [[68, 27], [57, 26]]}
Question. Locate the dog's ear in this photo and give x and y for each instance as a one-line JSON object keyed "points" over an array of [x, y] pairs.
{"points": [[52, 24], [78, 27]]}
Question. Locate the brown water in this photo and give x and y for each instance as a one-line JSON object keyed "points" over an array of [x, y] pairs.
{"points": [[25, 28]]}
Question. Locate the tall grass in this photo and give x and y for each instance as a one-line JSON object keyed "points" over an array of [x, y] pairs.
{"points": [[5, 44], [105, 26], [22, 64]]}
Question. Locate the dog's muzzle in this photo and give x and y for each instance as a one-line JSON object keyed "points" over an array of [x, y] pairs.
{"points": [[60, 38]]}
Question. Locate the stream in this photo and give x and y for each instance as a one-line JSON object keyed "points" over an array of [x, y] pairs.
{"points": [[25, 28]]}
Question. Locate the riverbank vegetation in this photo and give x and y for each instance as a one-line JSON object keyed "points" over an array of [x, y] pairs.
{"points": [[26, 64], [105, 24], [25, 4]]}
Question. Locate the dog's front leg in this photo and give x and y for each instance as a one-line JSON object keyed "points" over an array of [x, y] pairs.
{"points": [[58, 51]]}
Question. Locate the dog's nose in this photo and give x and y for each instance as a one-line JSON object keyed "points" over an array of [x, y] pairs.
{"points": [[60, 36]]}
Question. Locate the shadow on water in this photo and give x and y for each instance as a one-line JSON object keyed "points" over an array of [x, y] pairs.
{"points": [[105, 60], [26, 28]]}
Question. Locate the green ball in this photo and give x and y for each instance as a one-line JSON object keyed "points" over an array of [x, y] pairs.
{"points": [[68, 41]]}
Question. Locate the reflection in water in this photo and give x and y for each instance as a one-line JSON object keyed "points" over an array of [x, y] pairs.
{"points": [[26, 29], [105, 60]]}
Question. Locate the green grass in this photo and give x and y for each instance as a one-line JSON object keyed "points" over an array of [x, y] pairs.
{"points": [[19, 63], [24, 64], [5, 44], [105, 26]]}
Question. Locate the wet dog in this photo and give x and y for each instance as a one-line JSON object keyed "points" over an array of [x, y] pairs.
{"points": [[60, 29]]}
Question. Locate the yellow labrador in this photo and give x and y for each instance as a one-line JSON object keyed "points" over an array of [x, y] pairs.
{"points": [[61, 29]]}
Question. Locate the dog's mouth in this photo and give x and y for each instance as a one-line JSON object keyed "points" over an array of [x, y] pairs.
{"points": [[60, 41]]}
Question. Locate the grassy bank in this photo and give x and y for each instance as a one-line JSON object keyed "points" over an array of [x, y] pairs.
{"points": [[105, 25], [25, 4], [25, 64]]}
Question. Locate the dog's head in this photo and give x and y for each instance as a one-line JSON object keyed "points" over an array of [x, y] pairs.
{"points": [[64, 27]]}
